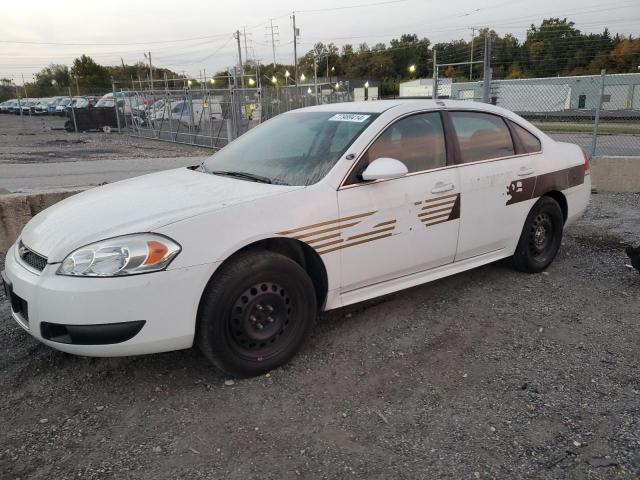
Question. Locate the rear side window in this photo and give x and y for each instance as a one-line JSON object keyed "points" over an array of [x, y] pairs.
{"points": [[417, 141], [482, 136], [529, 141]]}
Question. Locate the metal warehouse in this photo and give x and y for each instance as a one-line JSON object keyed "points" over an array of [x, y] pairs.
{"points": [[555, 94]]}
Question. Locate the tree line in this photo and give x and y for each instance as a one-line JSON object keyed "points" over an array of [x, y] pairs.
{"points": [[555, 47]]}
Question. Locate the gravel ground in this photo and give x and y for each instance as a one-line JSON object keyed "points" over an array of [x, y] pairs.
{"points": [[42, 144], [487, 374]]}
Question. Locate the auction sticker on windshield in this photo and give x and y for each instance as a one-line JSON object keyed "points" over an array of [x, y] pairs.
{"points": [[349, 117]]}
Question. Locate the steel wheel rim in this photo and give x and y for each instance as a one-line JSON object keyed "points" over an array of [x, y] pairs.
{"points": [[261, 322], [541, 236]]}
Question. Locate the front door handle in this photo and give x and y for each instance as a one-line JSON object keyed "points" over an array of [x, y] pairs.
{"points": [[441, 187], [524, 171]]}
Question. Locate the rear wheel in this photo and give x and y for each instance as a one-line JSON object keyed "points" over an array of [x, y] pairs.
{"points": [[541, 237], [255, 313]]}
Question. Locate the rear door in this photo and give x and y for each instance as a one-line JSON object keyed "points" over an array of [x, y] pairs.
{"points": [[404, 225], [493, 167]]}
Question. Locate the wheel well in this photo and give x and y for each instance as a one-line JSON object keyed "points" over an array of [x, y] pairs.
{"points": [[303, 255], [562, 201]]}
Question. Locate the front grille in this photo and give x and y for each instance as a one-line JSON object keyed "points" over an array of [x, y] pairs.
{"points": [[31, 258]]}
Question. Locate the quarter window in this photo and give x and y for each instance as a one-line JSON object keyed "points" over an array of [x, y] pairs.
{"points": [[482, 136], [417, 141], [529, 141]]}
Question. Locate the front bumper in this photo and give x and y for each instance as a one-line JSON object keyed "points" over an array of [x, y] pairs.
{"points": [[167, 303]]}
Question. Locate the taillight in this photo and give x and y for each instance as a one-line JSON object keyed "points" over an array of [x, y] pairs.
{"points": [[587, 165]]}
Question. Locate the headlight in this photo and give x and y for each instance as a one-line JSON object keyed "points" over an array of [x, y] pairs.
{"points": [[126, 255]]}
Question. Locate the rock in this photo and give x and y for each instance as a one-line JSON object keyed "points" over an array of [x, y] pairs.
{"points": [[601, 462], [157, 449], [44, 420], [576, 443], [229, 382], [100, 408]]}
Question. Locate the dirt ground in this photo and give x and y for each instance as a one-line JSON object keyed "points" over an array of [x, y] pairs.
{"points": [[42, 144], [487, 374]]}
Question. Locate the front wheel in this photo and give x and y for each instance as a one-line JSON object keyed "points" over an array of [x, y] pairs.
{"points": [[541, 237], [255, 313]]}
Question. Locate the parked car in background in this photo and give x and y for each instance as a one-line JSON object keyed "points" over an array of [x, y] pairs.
{"points": [[42, 106], [51, 106], [7, 105], [26, 106], [316, 209], [62, 105], [180, 111]]}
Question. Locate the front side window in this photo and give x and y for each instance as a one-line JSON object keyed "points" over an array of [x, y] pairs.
{"points": [[482, 136], [417, 141], [295, 148]]}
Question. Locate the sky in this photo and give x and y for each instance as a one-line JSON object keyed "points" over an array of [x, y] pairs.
{"points": [[197, 36]]}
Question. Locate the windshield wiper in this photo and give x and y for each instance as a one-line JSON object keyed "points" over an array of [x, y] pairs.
{"points": [[244, 175]]}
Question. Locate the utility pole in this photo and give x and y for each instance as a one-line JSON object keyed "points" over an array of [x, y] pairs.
{"points": [[246, 51], [150, 68], [435, 75], [274, 32], [237, 35], [473, 34], [295, 47], [486, 91]]}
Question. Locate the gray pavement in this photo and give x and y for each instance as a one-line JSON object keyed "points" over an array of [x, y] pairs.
{"points": [[54, 175]]}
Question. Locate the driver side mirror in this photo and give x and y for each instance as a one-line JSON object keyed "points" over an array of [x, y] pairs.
{"points": [[384, 169]]}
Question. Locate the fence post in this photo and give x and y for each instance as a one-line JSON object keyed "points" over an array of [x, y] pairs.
{"points": [[115, 103], [73, 112], [434, 95], [486, 86], [594, 140]]}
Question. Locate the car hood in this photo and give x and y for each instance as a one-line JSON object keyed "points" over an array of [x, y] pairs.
{"points": [[139, 204]]}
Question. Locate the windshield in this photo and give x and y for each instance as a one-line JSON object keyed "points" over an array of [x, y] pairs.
{"points": [[296, 148]]}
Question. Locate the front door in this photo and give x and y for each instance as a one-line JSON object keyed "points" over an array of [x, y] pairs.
{"points": [[397, 227]]}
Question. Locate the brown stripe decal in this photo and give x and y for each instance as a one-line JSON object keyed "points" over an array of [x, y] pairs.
{"points": [[328, 222], [438, 210], [366, 234], [325, 230], [534, 187], [439, 204], [328, 244], [322, 239], [436, 223], [455, 211], [438, 199], [382, 224], [355, 243]]}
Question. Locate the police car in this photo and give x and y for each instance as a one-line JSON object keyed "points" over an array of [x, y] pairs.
{"points": [[313, 210]]}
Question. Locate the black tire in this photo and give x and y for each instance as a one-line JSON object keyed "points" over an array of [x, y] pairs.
{"points": [[255, 313], [68, 126], [541, 237]]}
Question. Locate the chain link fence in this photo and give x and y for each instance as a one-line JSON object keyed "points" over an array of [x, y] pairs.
{"points": [[211, 117]]}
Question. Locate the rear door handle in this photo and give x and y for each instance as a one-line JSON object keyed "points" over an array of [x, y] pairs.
{"points": [[442, 187], [524, 171]]}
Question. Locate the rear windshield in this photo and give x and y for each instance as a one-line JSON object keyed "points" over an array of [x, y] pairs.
{"points": [[295, 148]]}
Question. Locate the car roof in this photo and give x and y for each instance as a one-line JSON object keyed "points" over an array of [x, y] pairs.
{"points": [[379, 106]]}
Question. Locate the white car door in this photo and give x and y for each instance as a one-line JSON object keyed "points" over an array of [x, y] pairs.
{"points": [[492, 170], [405, 225]]}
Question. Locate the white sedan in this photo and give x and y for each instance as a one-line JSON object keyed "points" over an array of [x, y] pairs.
{"points": [[313, 210]]}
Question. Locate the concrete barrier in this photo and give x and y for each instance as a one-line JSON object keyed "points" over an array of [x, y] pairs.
{"points": [[608, 174], [16, 209], [616, 174]]}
